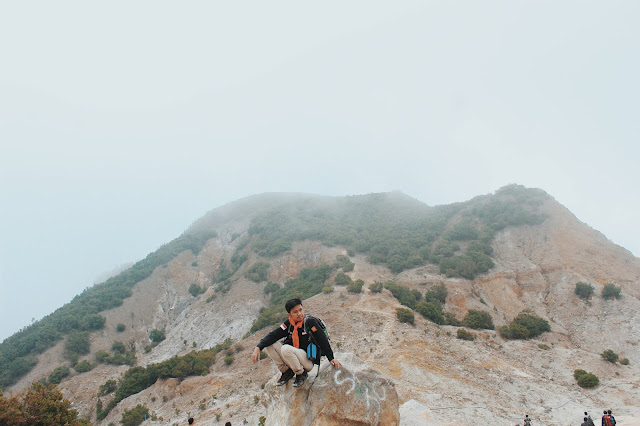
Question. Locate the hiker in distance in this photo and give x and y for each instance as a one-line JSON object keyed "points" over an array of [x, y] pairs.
{"points": [[291, 355]]}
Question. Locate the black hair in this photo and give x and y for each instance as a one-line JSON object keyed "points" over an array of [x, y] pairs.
{"points": [[609, 412], [292, 303], [190, 420]]}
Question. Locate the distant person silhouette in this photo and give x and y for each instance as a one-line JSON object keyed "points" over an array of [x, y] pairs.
{"points": [[191, 420]]}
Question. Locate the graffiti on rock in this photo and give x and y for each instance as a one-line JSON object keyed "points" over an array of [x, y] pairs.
{"points": [[371, 393]]}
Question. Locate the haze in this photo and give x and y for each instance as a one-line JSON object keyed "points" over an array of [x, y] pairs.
{"points": [[122, 123]]}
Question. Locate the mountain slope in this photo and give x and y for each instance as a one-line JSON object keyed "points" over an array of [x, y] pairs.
{"points": [[537, 249]]}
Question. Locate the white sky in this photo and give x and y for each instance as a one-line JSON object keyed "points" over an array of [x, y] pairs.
{"points": [[121, 123]]}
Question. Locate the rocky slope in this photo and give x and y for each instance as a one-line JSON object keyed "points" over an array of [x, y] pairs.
{"points": [[439, 379]]}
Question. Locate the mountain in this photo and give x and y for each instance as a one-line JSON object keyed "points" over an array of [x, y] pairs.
{"points": [[222, 285]]}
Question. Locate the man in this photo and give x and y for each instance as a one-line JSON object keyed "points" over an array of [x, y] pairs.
{"points": [[290, 356], [611, 418], [527, 421], [606, 419], [588, 419]]}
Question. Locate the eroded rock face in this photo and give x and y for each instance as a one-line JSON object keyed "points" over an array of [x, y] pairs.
{"points": [[354, 395]]}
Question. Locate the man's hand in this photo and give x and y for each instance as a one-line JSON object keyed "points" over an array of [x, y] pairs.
{"points": [[256, 355], [335, 363]]}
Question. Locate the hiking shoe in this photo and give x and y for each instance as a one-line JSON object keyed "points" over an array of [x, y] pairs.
{"points": [[300, 378], [285, 377]]}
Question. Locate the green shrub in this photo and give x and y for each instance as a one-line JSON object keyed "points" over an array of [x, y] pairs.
{"points": [[77, 344], [328, 289], [271, 287], [118, 347], [438, 293], [577, 373], [83, 366], [228, 360], [135, 416], [345, 263], [465, 335], [610, 356], [120, 327], [432, 311], [525, 326], [450, 319], [610, 291], [58, 374], [584, 290], [404, 295], [543, 346], [355, 286], [196, 290], [342, 279], [478, 320], [624, 361], [101, 356], [376, 287], [588, 380], [108, 387], [258, 272], [405, 315], [157, 336]]}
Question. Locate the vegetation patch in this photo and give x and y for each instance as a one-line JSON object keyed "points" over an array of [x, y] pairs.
{"points": [[343, 262], [137, 379], [355, 286], [40, 405], [18, 352], [611, 291], [84, 366], [478, 320], [398, 231], [465, 334], [525, 326], [135, 416], [586, 379], [196, 290], [405, 315], [258, 272], [584, 290], [609, 355], [376, 287], [58, 374], [405, 296]]}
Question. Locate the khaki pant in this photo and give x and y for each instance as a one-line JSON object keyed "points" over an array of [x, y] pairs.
{"points": [[286, 356]]}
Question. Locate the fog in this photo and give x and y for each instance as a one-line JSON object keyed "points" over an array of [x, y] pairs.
{"points": [[122, 123]]}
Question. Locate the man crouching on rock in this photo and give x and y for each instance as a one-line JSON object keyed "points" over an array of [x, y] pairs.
{"points": [[290, 356]]}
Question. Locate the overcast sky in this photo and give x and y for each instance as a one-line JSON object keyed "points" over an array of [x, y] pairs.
{"points": [[121, 123]]}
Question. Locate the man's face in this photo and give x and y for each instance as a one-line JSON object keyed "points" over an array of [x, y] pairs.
{"points": [[297, 313]]}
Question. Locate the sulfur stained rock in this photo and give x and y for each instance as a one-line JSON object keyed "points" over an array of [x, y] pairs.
{"points": [[352, 396]]}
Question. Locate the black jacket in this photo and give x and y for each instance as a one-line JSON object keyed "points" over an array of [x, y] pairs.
{"points": [[286, 329]]}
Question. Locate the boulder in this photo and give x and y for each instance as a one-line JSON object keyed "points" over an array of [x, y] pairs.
{"points": [[355, 395]]}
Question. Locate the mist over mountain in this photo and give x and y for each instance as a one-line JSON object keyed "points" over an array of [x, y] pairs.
{"points": [[508, 294]]}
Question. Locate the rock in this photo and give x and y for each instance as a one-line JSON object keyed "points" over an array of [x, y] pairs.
{"points": [[355, 395], [413, 413]]}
